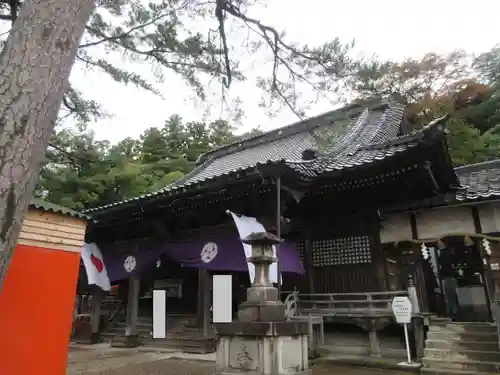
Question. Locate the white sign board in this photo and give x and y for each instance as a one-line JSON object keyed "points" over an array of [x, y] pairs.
{"points": [[402, 309], [222, 299], [159, 314]]}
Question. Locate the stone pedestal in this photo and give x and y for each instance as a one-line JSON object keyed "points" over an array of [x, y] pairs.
{"points": [[262, 341], [262, 348]]}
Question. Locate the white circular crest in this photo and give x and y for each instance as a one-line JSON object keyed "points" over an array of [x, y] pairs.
{"points": [[129, 263], [209, 252]]}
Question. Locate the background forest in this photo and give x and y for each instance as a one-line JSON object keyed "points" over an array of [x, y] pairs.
{"points": [[81, 172]]}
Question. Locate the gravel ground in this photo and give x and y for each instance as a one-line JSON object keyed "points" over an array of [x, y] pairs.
{"points": [[102, 360], [191, 367]]}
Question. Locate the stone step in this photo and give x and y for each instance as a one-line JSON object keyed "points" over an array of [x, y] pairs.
{"points": [[474, 324], [462, 345], [460, 355], [139, 324], [121, 331], [430, 371], [481, 366], [466, 336], [439, 321], [185, 345], [461, 328]]}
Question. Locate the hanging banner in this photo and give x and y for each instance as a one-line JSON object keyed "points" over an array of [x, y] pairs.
{"points": [[214, 251], [93, 262], [246, 226]]}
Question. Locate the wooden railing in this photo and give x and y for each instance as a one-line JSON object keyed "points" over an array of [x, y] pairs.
{"points": [[370, 310], [341, 304]]}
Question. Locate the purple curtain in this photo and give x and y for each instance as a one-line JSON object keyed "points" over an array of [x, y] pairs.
{"points": [[216, 252]]}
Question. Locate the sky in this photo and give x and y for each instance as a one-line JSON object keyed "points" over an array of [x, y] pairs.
{"points": [[391, 29]]}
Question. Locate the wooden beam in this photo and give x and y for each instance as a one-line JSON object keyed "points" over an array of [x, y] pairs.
{"points": [[308, 260], [378, 258], [476, 220], [133, 305], [203, 309], [413, 225]]}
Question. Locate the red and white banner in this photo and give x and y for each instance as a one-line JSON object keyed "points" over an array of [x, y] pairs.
{"points": [[94, 265]]}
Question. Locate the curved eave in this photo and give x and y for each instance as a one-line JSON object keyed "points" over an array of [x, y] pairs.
{"points": [[367, 155], [467, 197], [303, 170], [177, 191]]}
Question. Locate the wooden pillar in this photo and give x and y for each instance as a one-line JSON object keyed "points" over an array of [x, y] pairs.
{"points": [[374, 342], [308, 263], [203, 310], [133, 306], [379, 259], [488, 283], [131, 338], [412, 294], [419, 337], [95, 314], [419, 277]]}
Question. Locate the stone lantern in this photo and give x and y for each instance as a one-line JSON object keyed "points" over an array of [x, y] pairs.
{"points": [[263, 303], [262, 341]]}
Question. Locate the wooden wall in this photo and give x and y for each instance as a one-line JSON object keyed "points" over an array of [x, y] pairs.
{"points": [[395, 227], [52, 231], [344, 257], [437, 222], [489, 215]]}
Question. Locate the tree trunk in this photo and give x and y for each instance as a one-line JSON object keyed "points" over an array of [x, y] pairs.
{"points": [[34, 69]]}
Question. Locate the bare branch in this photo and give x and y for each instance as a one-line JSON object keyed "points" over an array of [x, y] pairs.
{"points": [[219, 14]]}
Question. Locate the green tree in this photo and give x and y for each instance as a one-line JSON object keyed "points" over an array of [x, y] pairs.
{"points": [[80, 172], [435, 85]]}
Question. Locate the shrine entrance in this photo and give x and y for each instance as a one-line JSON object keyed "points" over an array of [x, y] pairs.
{"points": [[448, 275], [462, 279]]}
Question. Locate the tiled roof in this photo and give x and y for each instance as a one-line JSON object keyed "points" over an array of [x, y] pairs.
{"points": [[479, 181], [345, 138], [326, 133], [51, 207], [360, 152]]}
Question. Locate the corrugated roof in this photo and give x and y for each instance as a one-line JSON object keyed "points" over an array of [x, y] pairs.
{"points": [[52, 207]]}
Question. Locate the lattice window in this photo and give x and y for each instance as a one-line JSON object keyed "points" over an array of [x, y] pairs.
{"points": [[340, 251]]}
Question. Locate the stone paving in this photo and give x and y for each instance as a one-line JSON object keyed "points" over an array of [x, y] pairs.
{"points": [[102, 360]]}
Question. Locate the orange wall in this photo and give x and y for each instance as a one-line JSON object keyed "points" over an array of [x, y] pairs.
{"points": [[36, 311]]}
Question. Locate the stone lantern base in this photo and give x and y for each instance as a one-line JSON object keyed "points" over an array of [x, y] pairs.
{"points": [[262, 342], [264, 348], [270, 311]]}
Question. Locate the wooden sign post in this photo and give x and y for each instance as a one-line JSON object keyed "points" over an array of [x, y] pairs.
{"points": [[402, 310]]}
